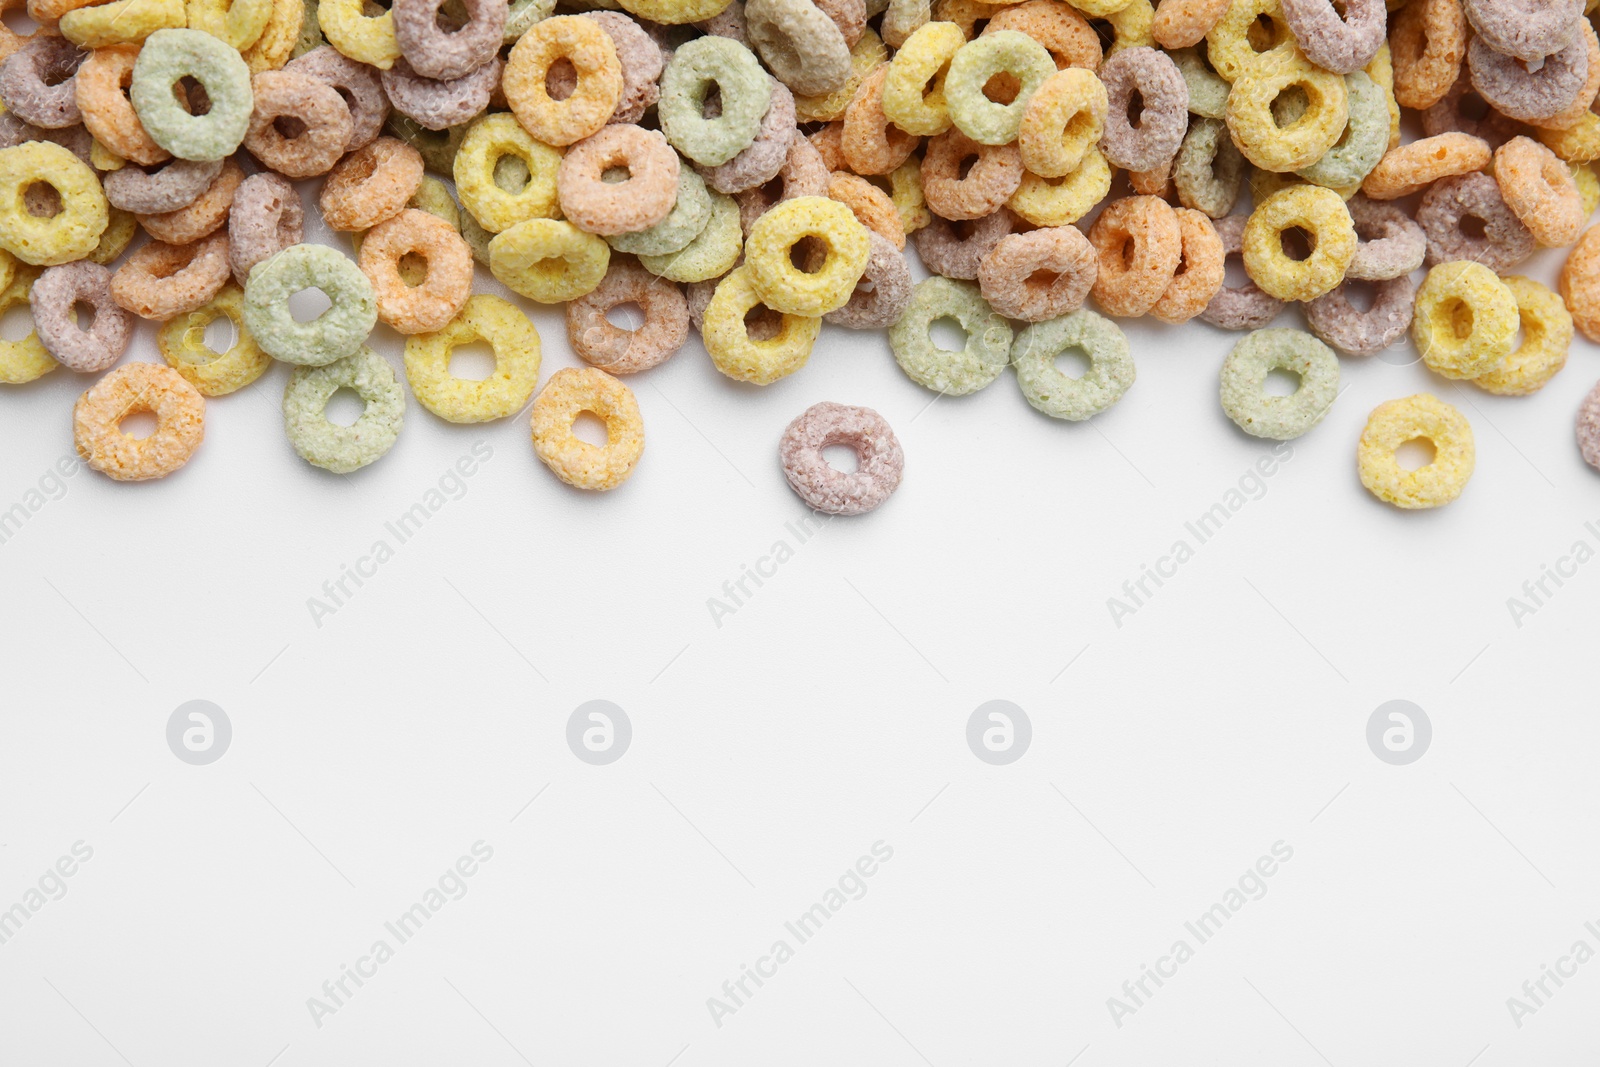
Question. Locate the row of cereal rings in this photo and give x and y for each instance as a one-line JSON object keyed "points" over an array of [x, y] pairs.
{"points": [[1024, 122]]}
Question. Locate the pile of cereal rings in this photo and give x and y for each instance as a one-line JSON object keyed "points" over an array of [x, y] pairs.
{"points": [[755, 168]]}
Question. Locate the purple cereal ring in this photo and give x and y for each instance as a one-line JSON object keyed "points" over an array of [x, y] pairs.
{"points": [[697, 295], [266, 217], [1529, 30], [52, 298], [38, 82], [880, 463], [299, 126], [1340, 43], [883, 293], [356, 83], [1244, 308], [625, 351], [728, 23], [1458, 111], [1039, 275], [1389, 242], [1504, 242], [439, 105], [957, 249], [1333, 318], [1165, 116], [642, 61], [157, 190], [766, 155], [1589, 428], [803, 174], [441, 54], [75, 139], [1530, 96]]}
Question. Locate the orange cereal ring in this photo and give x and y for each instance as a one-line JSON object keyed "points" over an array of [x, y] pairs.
{"points": [[1427, 41], [204, 216], [102, 90], [1539, 190], [446, 283], [371, 184], [595, 205], [871, 144], [1200, 273], [872, 206], [987, 185], [1579, 283], [598, 87], [1184, 23], [1415, 166], [131, 388], [1062, 121], [1039, 275], [11, 40], [829, 143], [1065, 34], [322, 117], [160, 280], [1139, 245]]}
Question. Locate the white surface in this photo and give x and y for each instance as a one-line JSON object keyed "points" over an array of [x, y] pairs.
{"points": [[826, 714]]}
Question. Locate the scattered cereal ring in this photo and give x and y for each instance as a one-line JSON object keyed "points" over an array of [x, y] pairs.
{"points": [[1464, 321], [1427, 43], [744, 89], [440, 105], [447, 279], [336, 333], [690, 214], [772, 346], [645, 198], [238, 23], [107, 113], [867, 55], [1389, 242], [176, 185], [1588, 428], [1579, 283], [357, 84], [53, 298], [516, 363], [364, 38], [957, 249], [1531, 96], [1250, 31], [25, 360], [988, 347], [1526, 29], [1185, 23], [1039, 275], [206, 214], [984, 120], [434, 52], [1279, 418], [957, 193], [1139, 245], [626, 351], [71, 233], [1208, 92], [913, 90], [570, 392], [1365, 139], [802, 46], [870, 142], [114, 240], [266, 217], [160, 280], [182, 340], [370, 185], [120, 22], [1333, 318], [880, 463], [883, 293], [1395, 422], [548, 261], [596, 92], [782, 285], [1164, 115], [1065, 34], [675, 12], [1255, 128], [1413, 167], [323, 122], [1342, 39], [169, 56], [761, 161], [282, 34], [1503, 241], [1546, 337], [1540, 191], [1048, 389], [1201, 270], [490, 140], [1209, 170], [322, 443], [1321, 214], [131, 388], [1462, 110], [1062, 121], [38, 82], [711, 254]]}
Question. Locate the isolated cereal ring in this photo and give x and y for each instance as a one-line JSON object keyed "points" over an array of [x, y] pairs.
{"points": [[1209, 170], [237, 23], [370, 185], [1546, 338], [1333, 318], [1465, 320], [637, 203], [801, 45], [711, 254], [570, 392], [598, 88], [488, 142], [1065, 34], [883, 293], [1342, 39], [626, 351], [1462, 110], [53, 298], [1496, 238], [446, 283], [769, 250], [1245, 307], [1208, 92], [867, 55], [176, 185], [266, 217], [364, 38], [1588, 427], [205, 215], [1048, 389], [1202, 268], [103, 104], [1255, 129], [338, 332], [71, 233], [182, 341], [1427, 43], [1540, 191], [988, 347], [880, 463], [548, 261], [1579, 283], [913, 90], [325, 444], [434, 52], [957, 249], [120, 22], [515, 343], [24, 360], [1062, 121], [440, 105], [1320, 213], [1413, 167], [1139, 245], [744, 89], [38, 82], [160, 280], [1280, 418], [956, 192], [1164, 114], [1526, 29], [1365, 139], [323, 120], [870, 142], [1395, 422], [984, 120], [168, 57], [1039, 275], [357, 84], [1531, 96], [131, 388], [1250, 32], [759, 349]]}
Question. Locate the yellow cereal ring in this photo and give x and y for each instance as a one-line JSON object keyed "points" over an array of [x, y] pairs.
{"points": [[277, 42], [913, 92], [1239, 41], [868, 54], [591, 52], [1133, 26], [1381, 70], [782, 349], [516, 363], [364, 38], [1301, 143], [1063, 201], [548, 261], [1062, 122], [569, 393], [1394, 423], [674, 12], [121, 22], [114, 241], [489, 140], [182, 341], [768, 253], [1579, 143], [1322, 214], [74, 231], [20, 361], [103, 159], [1097, 9], [1465, 320], [905, 193], [1546, 337], [1588, 183], [238, 22]]}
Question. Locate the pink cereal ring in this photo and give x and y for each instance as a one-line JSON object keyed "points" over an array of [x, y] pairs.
{"points": [[880, 463]]}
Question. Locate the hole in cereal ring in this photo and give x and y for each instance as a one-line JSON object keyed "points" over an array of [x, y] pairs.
{"points": [[1002, 88], [1281, 381], [220, 334], [808, 254], [1234, 276], [17, 21], [711, 104], [16, 323], [412, 268], [1102, 29], [1130, 251], [1461, 319], [1415, 454], [344, 407], [591, 429], [1263, 33], [614, 175], [1073, 362], [1042, 279], [561, 79], [308, 304], [83, 314], [771, 191], [472, 362], [288, 126], [964, 168], [1472, 107], [138, 424], [627, 315], [1473, 227], [511, 173], [1135, 108], [947, 335], [41, 200], [1298, 244], [1360, 295], [761, 323], [192, 95], [841, 458]]}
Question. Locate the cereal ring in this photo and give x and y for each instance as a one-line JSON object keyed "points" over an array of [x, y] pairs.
{"points": [[1051, 391], [871, 144], [958, 193], [760, 348], [266, 217], [182, 341], [548, 261], [675, 12], [711, 254], [1279, 418], [1546, 337], [1208, 93], [785, 287], [114, 240], [1301, 143], [1365, 139], [871, 206], [1540, 191], [868, 55], [1209, 169], [38, 82], [120, 22], [1139, 244], [342, 449], [25, 360], [1333, 318], [597, 89], [987, 121], [609, 208], [803, 174], [744, 89], [161, 280], [1578, 144], [444, 55], [1579, 283], [105, 109], [516, 348], [53, 297], [882, 294], [880, 463], [1581, 104], [1246, 307], [73, 231], [310, 107], [129, 389], [642, 62], [1342, 39], [169, 56], [1589, 428], [1526, 29], [489, 141], [174, 186], [1395, 422], [1518, 93], [1413, 167], [446, 283], [204, 216], [849, 15], [1065, 34], [569, 393], [1332, 236], [764, 158], [1462, 110], [690, 214], [1063, 201], [357, 84], [1427, 44], [338, 332], [282, 34], [370, 185], [1201, 270], [626, 351], [957, 249], [440, 105], [1251, 31], [1184, 23], [801, 45], [238, 23], [364, 38], [1039, 275], [1164, 115], [1062, 121], [902, 18], [988, 347], [1464, 321], [1500, 243], [913, 90]]}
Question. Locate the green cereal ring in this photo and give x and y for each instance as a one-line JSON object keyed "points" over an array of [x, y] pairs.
{"points": [[988, 348], [169, 56], [1365, 138], [1208, 91], [1004, 52], [343, 449], [334, 334], [745, 90], [1053, 392], [686, 221], [710, 255], [1280, 418], [437, 147]]}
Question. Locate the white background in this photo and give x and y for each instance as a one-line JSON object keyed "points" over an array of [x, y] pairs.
{"points": [[828, 713]]}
